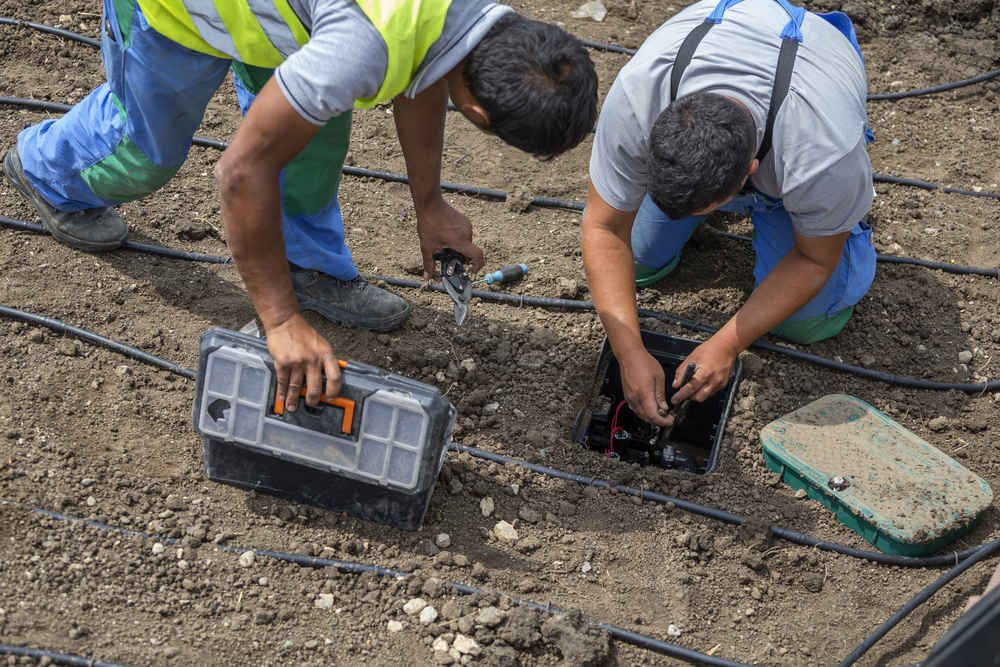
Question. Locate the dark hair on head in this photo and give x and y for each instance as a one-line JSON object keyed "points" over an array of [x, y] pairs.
{"points": [[536, 83], [700, 150]]}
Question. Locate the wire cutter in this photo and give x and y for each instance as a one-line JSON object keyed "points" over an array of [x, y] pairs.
{"points": [[456, 281]]}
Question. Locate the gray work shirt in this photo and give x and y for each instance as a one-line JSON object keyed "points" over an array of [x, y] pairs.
{"points": [[345, 58], [818, 165]]}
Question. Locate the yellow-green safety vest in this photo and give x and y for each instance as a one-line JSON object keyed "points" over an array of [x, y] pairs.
{"points": [[265, 32]]}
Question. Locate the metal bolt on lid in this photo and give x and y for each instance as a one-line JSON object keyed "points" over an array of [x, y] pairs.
{"points": [[838, 483]]}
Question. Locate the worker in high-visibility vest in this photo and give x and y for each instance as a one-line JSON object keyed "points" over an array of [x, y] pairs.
{"points": [[300, 67]]}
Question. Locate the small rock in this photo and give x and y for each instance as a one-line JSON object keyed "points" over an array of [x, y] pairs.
{"points": [[528, 514], [37, 336], [801, 493], [964, 357], [586, 567], [441, 644], [673, 630], [123, 370], [490, 616], [158, 548], [528, 544], [594, 9], [938, 424], [263, 617], [394, 626], [518, 199], [466, 645], [460, 560], [486, 506], [428, 615], [505, 532], [568, 288], [479, 571], [414, 606], [88, 481], [174, 502], [324, 601], [491, 408], [443, 540], [468, 365], [246, 559]]}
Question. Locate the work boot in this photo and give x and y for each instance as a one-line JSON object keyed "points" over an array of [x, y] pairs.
{"points": [[353, 303], [92, 230]]}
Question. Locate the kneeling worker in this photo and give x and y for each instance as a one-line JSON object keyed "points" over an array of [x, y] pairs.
{"points": [[752, 106], [300, 67]]}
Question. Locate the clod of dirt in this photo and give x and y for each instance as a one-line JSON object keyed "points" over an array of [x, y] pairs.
{"points": [[812, 582], [580, 643], [523, 629], [518, 199], [529, 514], [568, 288], [194, 230], [486, 506]]}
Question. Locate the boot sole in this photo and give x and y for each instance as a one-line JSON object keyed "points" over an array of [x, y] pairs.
{"points": [[42, 208], [338, 316]]}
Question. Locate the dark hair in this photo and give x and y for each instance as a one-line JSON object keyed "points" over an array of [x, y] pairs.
{"points": [[536, 83], [700, 150]]}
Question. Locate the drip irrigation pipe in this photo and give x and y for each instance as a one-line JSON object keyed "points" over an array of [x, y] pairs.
{"points": [[688, 506], [23, 225], [619, 633], [99, 340], [57, 658], [983, 552], [579, 305], [597, 46], [474, 190], [128, 245]]}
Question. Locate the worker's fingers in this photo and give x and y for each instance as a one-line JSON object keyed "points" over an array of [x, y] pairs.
{"points": [[333, 378], [476, 258], [282, 374], [296, 377], [314, 384]]}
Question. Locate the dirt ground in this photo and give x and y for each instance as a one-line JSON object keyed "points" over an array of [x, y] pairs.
{"points": [[92, 434]]}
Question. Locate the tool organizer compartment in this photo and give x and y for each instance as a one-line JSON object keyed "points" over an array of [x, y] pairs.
{"points": [[692, 444], [374, 451]]}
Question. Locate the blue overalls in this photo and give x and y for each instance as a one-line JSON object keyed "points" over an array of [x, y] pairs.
{"points": [[657, 240], [144, 117]]}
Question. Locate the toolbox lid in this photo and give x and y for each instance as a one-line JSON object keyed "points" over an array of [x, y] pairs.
{"points": [[880, 479]]}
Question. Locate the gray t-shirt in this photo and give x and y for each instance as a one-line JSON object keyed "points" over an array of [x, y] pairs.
{"points": [[345, 58], [818, 166]]}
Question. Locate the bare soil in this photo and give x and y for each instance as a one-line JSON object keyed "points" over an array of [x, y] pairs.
{"points": [[89, 433]]}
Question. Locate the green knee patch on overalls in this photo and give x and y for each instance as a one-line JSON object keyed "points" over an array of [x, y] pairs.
{"points": [[313, 176], [128, 173], [813, 329]]}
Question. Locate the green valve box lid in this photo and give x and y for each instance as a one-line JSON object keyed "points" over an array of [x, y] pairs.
{"points": [[878, 478]]}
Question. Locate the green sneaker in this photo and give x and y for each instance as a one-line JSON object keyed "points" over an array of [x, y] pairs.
{"points": [[353, 303], [91, 230]]}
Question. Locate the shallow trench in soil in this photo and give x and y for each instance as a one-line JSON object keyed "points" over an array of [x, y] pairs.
{"points": [[95, 435]]}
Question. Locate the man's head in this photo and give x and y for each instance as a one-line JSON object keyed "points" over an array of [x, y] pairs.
{"points": [[532, 84], [701, 150]]}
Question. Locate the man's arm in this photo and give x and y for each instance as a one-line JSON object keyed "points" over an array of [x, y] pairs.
{"points": [[248, 178], [797, 278], [420, 127], [607, 257]]}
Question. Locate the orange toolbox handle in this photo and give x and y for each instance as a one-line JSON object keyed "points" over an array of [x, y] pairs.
{"points": [[347, 404]]}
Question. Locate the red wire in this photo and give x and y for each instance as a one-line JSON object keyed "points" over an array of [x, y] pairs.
{"points": [[614, 429]]}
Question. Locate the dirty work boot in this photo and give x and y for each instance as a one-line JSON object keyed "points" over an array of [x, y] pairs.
{"points": [[92, 230], [354, 303]]}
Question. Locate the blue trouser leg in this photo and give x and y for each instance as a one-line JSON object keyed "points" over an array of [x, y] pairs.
{"points": [[314, 238], [130, 135], [657, 241]]}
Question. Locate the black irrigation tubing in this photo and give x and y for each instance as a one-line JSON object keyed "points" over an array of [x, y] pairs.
{"points": [[704, 510], [983, 552], [927, 185], [581, 305], [99, 340], [489, 193], [619, 633], [875, 97], [729, 517], [57, 658], [574, 304], [148, 248], [597, 46], [895, 259]]}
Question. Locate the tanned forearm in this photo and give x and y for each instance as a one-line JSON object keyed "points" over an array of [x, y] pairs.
{"points": [[420, 127], [607, 255]]}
